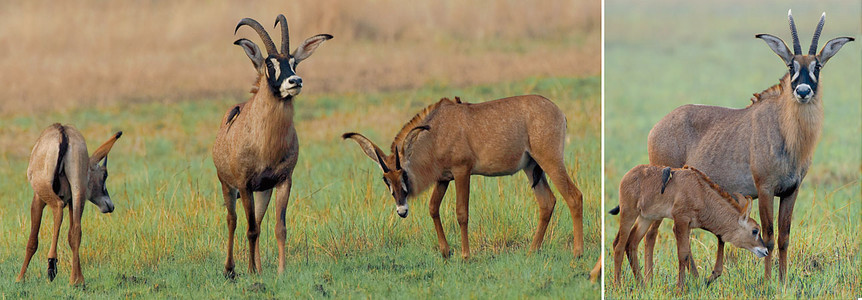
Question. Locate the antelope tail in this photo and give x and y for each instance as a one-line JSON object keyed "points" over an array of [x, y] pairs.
{"points": [[666, 175], [64, 146]]}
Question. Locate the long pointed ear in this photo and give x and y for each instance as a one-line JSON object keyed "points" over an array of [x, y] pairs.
{"points": [[778, 46], [832, 47], [411, 137], [308, 46], [370, 149], [102, 151], [252, 51], [745, 202]]}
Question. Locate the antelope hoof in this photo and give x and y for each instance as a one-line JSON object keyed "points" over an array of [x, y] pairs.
{"points": [[229, 274], [446, 253], [52, 269]]}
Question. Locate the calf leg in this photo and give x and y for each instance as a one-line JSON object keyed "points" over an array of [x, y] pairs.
{"points": [[627, 219], [434, 210], [76, 212], [683, 248], [634, 240], [230, 204], [719, 262], [785, 216], [36, 209], [546, 201], [649, 248]]}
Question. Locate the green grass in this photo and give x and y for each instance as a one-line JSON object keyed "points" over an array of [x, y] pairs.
{"points": [[167, 237], [663, 55]]}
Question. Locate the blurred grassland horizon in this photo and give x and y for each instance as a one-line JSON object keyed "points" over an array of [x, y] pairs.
{"points": [[76, 54]]}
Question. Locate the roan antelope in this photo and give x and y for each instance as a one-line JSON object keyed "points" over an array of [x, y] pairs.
{"points": [[650, 193], [256, 147], [451, 140], [61, 172], [763, 150]]}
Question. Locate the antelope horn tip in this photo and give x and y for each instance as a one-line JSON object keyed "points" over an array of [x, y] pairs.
{"points": [[118, 134]]}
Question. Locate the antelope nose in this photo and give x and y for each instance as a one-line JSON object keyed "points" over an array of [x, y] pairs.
{"points": [[803, 91], [295, 81]]}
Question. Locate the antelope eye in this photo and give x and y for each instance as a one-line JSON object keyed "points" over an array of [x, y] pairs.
{"points": [[754, 232]]}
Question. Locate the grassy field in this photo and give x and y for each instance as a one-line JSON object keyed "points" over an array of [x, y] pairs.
{"points": [[668, 53], [166, 238]]}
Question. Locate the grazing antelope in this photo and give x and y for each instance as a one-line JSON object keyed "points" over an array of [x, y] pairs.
{"points": [[451, 140], [61, 172], [650, 193], [763, 150], [256, 147]]}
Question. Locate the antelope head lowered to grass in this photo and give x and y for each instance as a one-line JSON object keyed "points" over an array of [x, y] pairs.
{"points": [[61, 172], [256, 147], [763, 150], [650, 193], [450, 140]]}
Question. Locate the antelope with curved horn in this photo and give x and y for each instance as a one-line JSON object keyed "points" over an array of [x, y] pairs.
{"points": [[256, 147], [451, 140], [763, 150], [62, 173]]}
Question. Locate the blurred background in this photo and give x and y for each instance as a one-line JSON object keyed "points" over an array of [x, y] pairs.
{"points": [[666, 53], [60, 55]]}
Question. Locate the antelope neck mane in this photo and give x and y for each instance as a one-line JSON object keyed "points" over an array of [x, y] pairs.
{"points": [[418, 119], [715, 187], [772, 92]]}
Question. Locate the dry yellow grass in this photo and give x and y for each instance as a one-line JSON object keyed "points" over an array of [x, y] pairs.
{"points": [[62, 55]]}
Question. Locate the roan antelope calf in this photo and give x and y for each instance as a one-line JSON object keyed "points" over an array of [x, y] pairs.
{"points": [[451, 140], [256, 147], [651, 193], [61, 172], [763, 150]]}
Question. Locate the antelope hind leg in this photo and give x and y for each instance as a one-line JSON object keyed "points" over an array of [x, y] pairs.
{"points": [[36, 209]]}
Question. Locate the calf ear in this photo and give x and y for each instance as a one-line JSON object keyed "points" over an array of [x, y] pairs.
{"points": [[370, 149], [832, 47], [252, 51]]}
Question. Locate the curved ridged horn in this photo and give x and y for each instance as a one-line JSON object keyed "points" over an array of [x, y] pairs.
{"points": [[797, 49], [813, 49], [397, 160], [267, 41], [285, 36]]}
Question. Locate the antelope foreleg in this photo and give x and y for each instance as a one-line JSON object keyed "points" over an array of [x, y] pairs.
{"points": [[253, 230], [434, 211], [649, 248], [719, 262], [281, 200], [785, 216], [683, 249], [462, 188], [36, 209], [764, 199], [260, 205]]}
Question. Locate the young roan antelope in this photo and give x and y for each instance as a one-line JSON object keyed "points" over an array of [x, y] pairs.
{"points": [[62, 173], [763, 150], [256, 147], [650, 193], [451, 140]]}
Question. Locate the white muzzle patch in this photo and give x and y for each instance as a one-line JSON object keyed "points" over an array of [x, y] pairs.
{"points": [[760, 252], [401, 210], [105, 205], [291, 86]]}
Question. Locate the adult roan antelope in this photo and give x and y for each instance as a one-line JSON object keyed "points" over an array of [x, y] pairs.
{"points": [[650, 193], [451, 140], [61, 172], [763, 150], [256, 147]]}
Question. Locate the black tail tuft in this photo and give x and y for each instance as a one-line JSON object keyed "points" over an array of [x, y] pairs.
{"points": [[64, 146], [615, 211], [666, 175]]}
